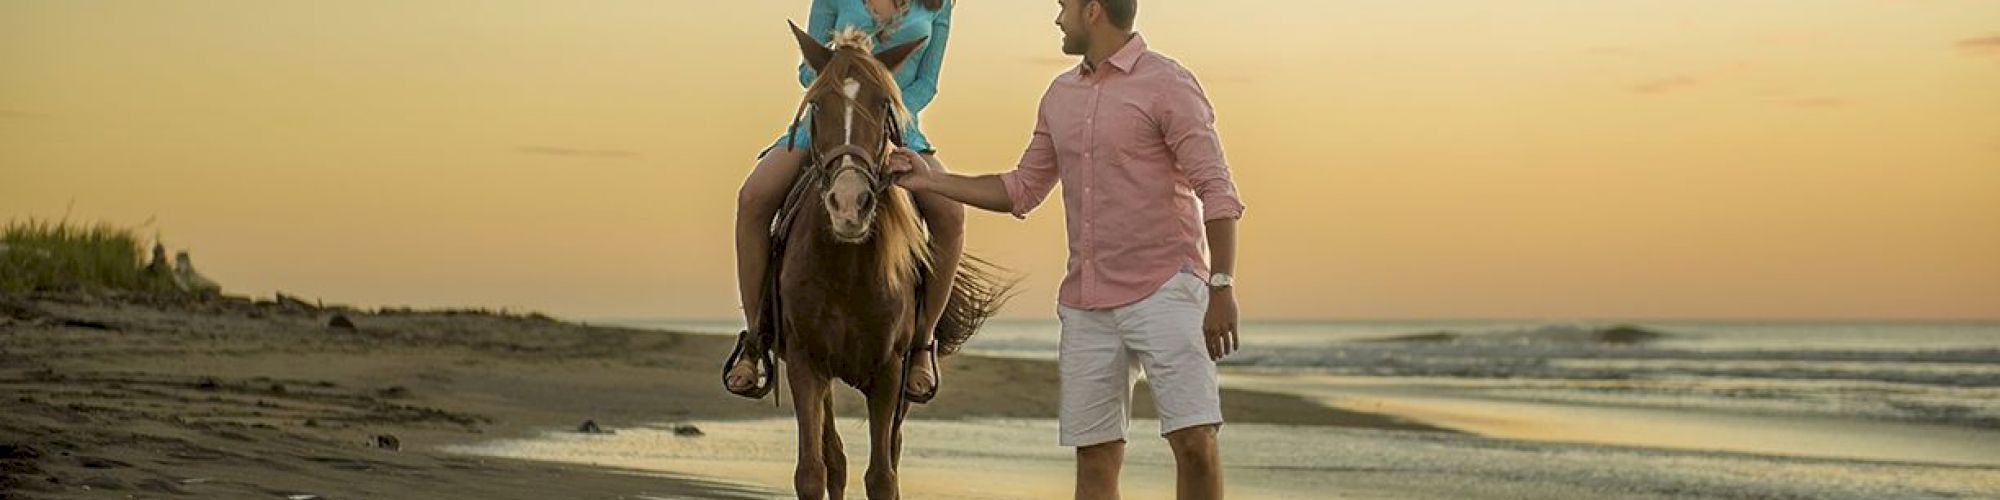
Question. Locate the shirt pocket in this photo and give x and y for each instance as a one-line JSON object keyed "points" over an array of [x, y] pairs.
{"points": [[1133, 133]]}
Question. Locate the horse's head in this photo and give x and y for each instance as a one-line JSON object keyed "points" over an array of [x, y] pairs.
{"points": [[856, 115]]}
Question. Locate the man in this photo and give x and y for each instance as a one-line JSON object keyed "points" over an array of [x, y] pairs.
{"points": [[1132, 139]]}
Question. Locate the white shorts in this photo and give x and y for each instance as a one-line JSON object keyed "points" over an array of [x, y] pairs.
{"points": [[1101, 349]]}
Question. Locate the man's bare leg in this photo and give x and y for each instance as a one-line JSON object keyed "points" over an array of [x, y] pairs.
{"points": [[1097, 470], [1197, 463], [756, 204]]}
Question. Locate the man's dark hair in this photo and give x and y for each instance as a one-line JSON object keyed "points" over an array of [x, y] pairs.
{"points": [[1122, 12]]}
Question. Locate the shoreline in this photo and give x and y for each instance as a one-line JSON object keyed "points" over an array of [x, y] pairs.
{"points": [[231, 399], [234, 399]]}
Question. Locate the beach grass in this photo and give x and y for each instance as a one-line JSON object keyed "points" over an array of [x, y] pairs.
{"points": [[43, 255]]}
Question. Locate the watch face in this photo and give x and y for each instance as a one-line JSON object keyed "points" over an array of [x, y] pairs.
{"points": [[1220, 280]]}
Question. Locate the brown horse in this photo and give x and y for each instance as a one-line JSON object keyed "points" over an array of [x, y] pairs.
{"points": [[852, 258]]}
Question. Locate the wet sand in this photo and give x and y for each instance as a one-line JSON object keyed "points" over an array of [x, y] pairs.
{"points": [[119, 399], [1494, 409], [232, 399], [989, 459]]}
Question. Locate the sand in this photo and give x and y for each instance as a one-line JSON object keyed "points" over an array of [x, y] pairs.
{"points": [[114, 397]]}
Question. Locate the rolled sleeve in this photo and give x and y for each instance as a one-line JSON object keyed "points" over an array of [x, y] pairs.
{"points": [[1031, 180], [1188, 123]]}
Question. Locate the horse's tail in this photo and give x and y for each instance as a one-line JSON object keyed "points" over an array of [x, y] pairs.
{"points": [[976, 295]]}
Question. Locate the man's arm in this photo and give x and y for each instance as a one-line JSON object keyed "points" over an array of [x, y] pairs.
{"points": [[1218, 326], [1222, 246], [1188, 124], [986, 192], [1016, 192]]}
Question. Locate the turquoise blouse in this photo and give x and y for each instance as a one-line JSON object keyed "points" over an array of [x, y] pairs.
{"points": [[918, 76]]}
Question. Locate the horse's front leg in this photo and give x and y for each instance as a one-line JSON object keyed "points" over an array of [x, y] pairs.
{"points": [[809, 392], [836, 457], [883, 396], [896, 438]]}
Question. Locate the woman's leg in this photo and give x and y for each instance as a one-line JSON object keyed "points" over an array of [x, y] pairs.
{"points": [[756, 204], [946, 219]]}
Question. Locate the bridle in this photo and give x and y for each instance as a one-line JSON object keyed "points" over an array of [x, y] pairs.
{"points": [[867, 162]]}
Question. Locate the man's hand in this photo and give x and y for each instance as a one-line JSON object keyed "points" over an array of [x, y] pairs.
{"points": [[908, 169], [911, 170], [1219, 326]]}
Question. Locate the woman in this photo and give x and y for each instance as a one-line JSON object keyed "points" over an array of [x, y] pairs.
{"points": [[750, 371]]}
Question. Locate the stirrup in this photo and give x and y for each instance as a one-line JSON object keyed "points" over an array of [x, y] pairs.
{"points": [[937, 375], [764, 362]]}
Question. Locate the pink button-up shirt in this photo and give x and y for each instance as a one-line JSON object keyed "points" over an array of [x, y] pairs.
{"points": [[1133, 142]]}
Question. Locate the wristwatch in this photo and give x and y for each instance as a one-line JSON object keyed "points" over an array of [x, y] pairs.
{"points": [[1220, 280]]}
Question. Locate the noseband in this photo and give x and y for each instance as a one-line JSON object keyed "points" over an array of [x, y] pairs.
{"points": [[866, 162]]}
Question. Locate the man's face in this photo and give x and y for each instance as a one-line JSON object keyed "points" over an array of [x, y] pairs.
{"points": [[1070, 20]]}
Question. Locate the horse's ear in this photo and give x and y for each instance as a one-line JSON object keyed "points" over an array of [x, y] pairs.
{"points": [[894, 56], [816, 53]]}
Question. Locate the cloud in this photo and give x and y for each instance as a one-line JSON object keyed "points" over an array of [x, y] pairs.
{"points": [[1616, 52], [1987, 46], [1050, 61], [1792, 39], [18, 114], [1784, 95], [1716, 75], [1664, 85], [1224, 77], [1819, 102], [577, 153]]}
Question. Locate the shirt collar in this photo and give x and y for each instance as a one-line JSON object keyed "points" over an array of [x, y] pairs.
{"points": [[1124, 58]]}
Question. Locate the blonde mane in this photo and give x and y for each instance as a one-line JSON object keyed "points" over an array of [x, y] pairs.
{"points": [[905, 241]]}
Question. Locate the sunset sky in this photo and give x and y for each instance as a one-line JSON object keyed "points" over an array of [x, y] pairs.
{"points": [[1835, 159]]}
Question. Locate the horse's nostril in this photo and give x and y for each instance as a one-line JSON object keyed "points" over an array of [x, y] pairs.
{"points": [[867, 200]]}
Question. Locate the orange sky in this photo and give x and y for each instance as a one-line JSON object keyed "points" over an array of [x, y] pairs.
{"points": [[1448, 158]]}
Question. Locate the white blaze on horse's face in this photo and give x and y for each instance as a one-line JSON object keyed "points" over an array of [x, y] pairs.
{"points": [[850, 200], [853, 90]]}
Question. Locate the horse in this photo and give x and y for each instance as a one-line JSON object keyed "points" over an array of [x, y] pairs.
{"points": [[851, 262]]}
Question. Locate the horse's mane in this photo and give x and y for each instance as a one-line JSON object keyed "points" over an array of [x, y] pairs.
{"points": [[905, 243]]}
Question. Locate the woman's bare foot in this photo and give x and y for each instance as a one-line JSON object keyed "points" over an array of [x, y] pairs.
{"points": [[745, 375], [921, 380], [748, 371]]}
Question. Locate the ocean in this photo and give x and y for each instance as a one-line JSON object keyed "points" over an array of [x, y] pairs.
{"points": [[1930, 372], [1548, 409]]}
